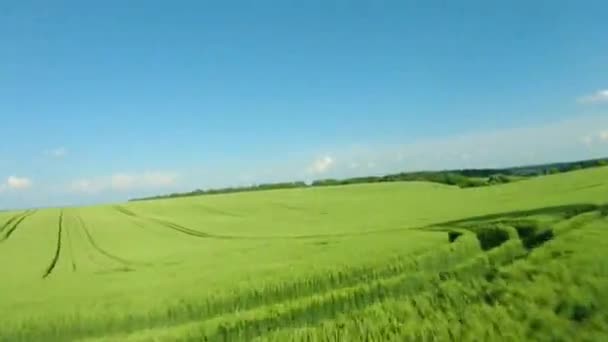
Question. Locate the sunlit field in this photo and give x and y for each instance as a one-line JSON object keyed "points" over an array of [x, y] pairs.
{"points": [[370, 262]]}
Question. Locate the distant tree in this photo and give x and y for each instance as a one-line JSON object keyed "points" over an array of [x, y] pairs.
{"points": [[602, 162], [576, 167], [498, 179], [552, 171]]}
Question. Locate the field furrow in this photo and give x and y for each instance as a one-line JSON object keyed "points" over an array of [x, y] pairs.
{"points": [[14, 223], [89, 237], [198, 233], [70, 247], [12, 219], [167, 224], [57, 254]]}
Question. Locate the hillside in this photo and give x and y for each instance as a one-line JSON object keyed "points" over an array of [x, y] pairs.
{"points": [[464, 178], [383, 261]]}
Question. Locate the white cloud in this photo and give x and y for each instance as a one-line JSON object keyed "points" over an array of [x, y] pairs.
{"points": [[598, 96], [14, 182], [58, 152], [594, 138], [554, 141], [321, 165], [124, 181]]}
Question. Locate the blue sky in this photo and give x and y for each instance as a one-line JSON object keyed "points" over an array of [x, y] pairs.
{"points": [[104, 101]]}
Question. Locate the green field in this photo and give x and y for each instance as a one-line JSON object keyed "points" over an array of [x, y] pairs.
{"points": [[366, 262]]}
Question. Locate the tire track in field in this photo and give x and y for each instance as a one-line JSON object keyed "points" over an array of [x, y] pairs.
{"points": [[218, 211], [171, 225], [11, 220], [95, 245], [16, 221], [200, 234], [573, 209], [190, 231], [55, 259], [70, 248]]}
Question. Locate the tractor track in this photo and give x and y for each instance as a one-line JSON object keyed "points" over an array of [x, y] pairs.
{"points": [[16, 222], [172, 225], [55, 259], [11, 220], [219, 212], [190, 231], [70, 248], [102, 251], [200, 234]]}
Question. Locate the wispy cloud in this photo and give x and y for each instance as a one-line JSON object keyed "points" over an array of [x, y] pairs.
{"points": [[14, 182], [559, 140], [58, 152], [571, 139], [124, 181], [598, 96], [595, 138], [321, 165]]}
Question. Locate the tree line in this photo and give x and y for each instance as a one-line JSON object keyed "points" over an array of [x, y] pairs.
{"points": [[464, 178]]}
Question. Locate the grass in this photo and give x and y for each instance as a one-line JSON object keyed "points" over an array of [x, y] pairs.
{"points": [[375, 262]]}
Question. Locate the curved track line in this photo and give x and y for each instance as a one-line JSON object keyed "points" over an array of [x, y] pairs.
{"points": [[16, 224], [197, 233], [171, 225], [102, 251], [11, 220], [219, 212], [53, 263], [70, 248]]}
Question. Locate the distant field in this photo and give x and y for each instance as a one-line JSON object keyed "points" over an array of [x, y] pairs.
{"points": [[369, 262]]}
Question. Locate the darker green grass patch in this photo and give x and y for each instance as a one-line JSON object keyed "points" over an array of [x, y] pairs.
{"points": [[532, 234], [575, 311], [565, 211], [538, 239], [492, 237], [453, 235], [321, 243]]}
